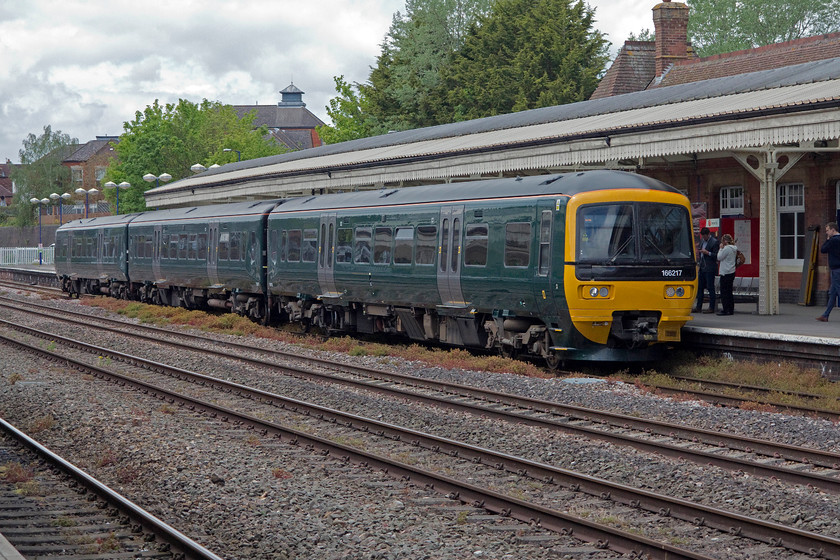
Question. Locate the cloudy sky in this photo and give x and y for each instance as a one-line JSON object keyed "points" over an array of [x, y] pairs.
{"points": [[86, 67]]}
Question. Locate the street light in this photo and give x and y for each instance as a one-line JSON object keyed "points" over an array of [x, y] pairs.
{"points": [[198, 168], [87, 194], [238, 153], [148, 177], [59, 199], [41, 203], [113, 185]]}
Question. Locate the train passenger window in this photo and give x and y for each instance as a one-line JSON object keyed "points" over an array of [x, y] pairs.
{"points": [[252, 247], [403, 245], [518, 244], [182, 246], [201, 246], [382, 245], [545, 244], [444, 245], [344, 248], [173, 246], [148, 244], [284, 243], [273, 249], [426, 249], [310, 245], [235, 245], [224, 245], [361, 249], [293, 254], [456, 243], [475, 245], [192, 247]]}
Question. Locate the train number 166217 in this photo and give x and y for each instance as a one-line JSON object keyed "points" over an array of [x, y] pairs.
{"points": [[672, 273]]}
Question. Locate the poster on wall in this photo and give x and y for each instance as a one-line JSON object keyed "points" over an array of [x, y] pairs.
{"points": [[743, 238]]}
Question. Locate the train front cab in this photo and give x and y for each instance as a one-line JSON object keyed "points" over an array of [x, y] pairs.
{"points": [[630, 274]]}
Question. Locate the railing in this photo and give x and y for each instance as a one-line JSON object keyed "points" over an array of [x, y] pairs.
{"points": [[26, 256]]}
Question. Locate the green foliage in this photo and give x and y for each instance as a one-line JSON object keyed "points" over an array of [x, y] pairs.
{"points": [[41, 172], [526, 54], [644, 35], [719, 26], [418, 46], [349, 114], [172, 138]]}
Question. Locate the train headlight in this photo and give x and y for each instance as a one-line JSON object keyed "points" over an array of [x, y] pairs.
{"points": [[604, 292], [670, 291], [593, 292], [675, 292], [680, 291]]}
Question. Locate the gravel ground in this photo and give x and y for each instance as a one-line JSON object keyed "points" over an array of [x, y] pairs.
{"points": [[250, 499]]}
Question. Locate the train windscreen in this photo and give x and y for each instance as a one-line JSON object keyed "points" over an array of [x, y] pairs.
{"points": [[634, 233]]}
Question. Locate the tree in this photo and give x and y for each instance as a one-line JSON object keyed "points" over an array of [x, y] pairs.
{"points": [[395, 97], [718, 26], [41, 172], [172, 138], [350, 115], [417, 47], [526, 54]]}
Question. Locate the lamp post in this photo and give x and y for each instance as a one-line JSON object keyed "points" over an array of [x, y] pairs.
{"points": [[198, 168], [59, 199], [148, 177], [40, 202], [87, 194], [113, 185], [238, 153]]}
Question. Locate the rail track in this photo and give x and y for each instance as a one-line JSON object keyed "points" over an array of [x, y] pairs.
{"points": [[49, 508], [796, 464], [544, 473]]}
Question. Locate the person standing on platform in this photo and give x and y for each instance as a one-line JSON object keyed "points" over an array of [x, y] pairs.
{"points": [[832, 248], [708, 267], [726, 258]]}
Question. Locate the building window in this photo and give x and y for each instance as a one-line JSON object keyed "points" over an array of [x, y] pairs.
{"points": [[100, 173], [77, 174], [791, 210], [837, 196], [732, 201]]}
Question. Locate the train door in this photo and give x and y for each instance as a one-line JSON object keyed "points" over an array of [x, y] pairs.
{"points": [[156, 251], [326, 255], [213, 253], [100, 254], [546, 283], [449, 255]]}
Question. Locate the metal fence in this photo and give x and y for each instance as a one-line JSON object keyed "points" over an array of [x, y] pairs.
{"points": [[26, 256]]}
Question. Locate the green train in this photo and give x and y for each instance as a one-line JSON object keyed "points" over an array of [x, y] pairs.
{"points": [[594, 265]]}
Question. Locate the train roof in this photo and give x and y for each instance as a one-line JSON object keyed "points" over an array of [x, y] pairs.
{"points": [[98, 222], [568, 184], [220, 211]]}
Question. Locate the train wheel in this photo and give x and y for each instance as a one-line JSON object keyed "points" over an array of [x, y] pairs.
{"points": [[507, 351], [553, 361]]}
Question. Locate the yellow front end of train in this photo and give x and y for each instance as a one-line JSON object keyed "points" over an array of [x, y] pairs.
{"points": [[630, 275]]}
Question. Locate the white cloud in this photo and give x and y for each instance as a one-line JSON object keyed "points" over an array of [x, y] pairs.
{"points": [[86, 68]]}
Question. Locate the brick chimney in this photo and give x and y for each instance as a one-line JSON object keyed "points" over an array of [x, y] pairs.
{"points": [[670, 23]]}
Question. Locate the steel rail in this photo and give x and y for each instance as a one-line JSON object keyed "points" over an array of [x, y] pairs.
{"points": [[602, 536], [176, 540], [696, 513], [719, 439]]}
